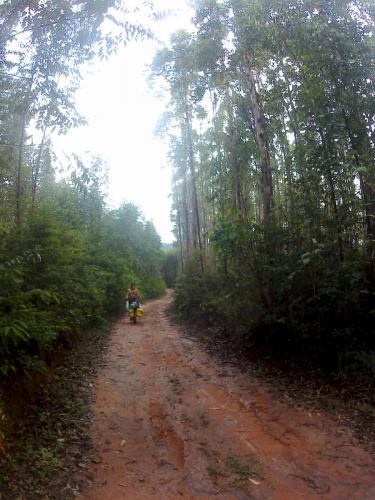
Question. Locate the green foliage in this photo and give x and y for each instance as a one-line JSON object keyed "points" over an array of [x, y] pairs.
{"points": [[190, 293], [39, 437], [68, 269], [282, 190], [152, 287], [170, 267], [308, 305]]}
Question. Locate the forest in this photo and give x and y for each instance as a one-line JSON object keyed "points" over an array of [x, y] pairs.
{"points": [[66, 258], [270, 126], [272, 142]]}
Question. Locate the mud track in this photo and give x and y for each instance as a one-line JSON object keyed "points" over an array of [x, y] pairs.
{"points": [[170, 422]]}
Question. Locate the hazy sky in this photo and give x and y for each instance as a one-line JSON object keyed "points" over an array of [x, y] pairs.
{"points": [[122, 112]]}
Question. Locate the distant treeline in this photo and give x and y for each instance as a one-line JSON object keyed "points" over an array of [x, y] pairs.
{"points": [[272, 141]]}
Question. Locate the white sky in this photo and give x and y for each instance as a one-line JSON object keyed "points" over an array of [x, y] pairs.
{"points": [[122, 112]]}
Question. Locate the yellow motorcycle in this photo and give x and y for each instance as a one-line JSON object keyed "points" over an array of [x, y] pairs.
{"points": [[135, 311]]}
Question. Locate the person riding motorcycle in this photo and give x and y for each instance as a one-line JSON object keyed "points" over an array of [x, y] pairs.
{"points": [[133, 298]]}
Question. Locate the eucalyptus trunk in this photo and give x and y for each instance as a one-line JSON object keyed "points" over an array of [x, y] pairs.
{"points": [[191, 160], [262, 143]]}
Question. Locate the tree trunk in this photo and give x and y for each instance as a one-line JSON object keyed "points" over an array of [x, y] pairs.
{"points": [[262, 143], [180, 235], [234, 162], [327, 161], [19, 166], [36, 170], [186, 216], [363, 157], [196, 217], [21, 149]]}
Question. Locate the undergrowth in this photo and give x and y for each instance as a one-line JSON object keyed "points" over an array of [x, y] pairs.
{"points": [[46, 438]]}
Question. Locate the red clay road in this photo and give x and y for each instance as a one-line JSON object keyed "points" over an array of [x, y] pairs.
{"points": [[171, 423]]}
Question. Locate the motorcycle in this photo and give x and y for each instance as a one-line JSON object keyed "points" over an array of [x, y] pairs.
{"points": [[135, 311]]}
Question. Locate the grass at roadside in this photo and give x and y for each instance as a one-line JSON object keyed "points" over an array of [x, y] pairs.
{"points": [[46, 446]]}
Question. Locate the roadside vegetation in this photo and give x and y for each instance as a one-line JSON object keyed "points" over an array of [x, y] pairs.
{"points": [[271, 127], [66, 258], [169, 267], [49, 449]]}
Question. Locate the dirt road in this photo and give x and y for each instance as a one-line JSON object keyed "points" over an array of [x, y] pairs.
{"points": [[170, 422]]}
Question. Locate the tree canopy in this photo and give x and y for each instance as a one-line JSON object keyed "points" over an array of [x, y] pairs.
{"points": [[271, 126]]}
